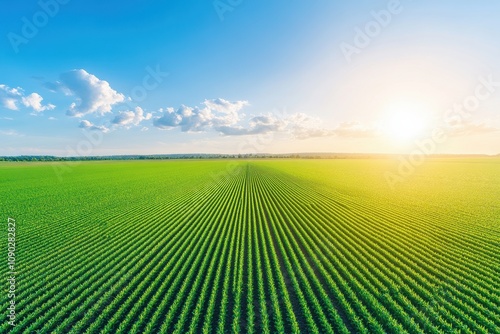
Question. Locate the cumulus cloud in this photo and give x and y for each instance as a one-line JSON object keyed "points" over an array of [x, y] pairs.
{"points": [[12, 98], [229, 109], [302, 126], [34, 101], [93, 95], [168, 120], [225, 106], [226, 118], [257, 125], [131, 118], [10, 103], [85, 124], [195, 119], [217, 113]]}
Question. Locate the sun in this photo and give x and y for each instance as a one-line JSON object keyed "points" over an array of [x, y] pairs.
{"points": [[404, 123]]}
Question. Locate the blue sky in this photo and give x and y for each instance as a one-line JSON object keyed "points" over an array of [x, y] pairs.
{"points": [[248, 76]]}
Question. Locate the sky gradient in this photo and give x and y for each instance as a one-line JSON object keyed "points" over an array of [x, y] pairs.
{"points": [[158, 77]]}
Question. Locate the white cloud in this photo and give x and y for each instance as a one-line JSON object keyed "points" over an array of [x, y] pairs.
{"points": [[168, 120], [10, 92], [302, 126], [93, 95], [298, 125], [130, 118], [226, 118], [34, 100], [257, 125], [10, 103], [215, 113], [229, 109], [195, 119], [11, 98], [225, 106], [84, 124]]}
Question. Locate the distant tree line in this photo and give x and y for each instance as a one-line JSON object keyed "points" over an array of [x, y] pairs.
{"points": [[36, 158], [141, 157]]}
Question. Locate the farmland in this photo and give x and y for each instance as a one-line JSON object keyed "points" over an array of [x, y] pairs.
{"points": [[262, 246]]}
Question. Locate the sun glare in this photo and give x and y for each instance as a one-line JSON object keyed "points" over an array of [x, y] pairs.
{"points": [[404, 123]]}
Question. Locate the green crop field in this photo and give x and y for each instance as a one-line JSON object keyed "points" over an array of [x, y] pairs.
{"points": [[253, 246]]}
